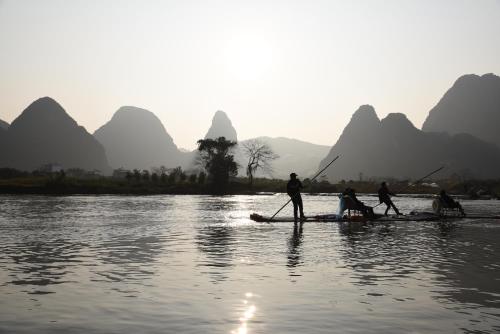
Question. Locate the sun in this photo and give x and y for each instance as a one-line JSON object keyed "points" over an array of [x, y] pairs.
{"points": [[248, 57]]}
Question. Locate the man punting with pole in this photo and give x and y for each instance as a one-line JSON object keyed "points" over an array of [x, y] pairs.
{"points": [[293, 190], [384, 196]]}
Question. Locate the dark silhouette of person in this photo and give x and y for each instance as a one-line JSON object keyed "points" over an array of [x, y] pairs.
{"points": [[293, 189], [384, 196], [350, 192], [450, 202], [366, 210]]}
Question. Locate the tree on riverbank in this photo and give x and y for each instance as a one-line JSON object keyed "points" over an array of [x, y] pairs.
{"points": [[260, 156], [216, 158]]}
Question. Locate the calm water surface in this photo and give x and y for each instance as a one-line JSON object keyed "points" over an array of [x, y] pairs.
{"points": [[197, 264]]}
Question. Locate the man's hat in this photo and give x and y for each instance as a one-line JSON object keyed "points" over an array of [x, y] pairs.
{"points": [[293, 174]]}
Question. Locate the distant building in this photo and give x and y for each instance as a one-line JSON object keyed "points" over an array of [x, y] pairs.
{"points": [[81, 173], [76, 172], [95, 173], [120, 173], [50, 168], [431, 185]]}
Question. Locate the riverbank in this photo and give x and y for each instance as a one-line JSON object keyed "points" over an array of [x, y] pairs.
{"points": [[101, 185]]}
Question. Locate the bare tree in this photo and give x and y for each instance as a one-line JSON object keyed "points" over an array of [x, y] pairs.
{"points": [[260, 156]]}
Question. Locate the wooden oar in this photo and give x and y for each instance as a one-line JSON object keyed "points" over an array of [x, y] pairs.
{"points": [[321, 171], [418, 181]]}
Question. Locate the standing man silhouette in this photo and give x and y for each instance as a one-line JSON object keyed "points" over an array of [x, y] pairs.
{"points": [[293, 189], [384, 196]]}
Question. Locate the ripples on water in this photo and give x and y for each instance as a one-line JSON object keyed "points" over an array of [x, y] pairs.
{"points": [[197, 264]]}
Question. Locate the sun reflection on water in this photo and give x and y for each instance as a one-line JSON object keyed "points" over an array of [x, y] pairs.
{"points": [[249, 310]]}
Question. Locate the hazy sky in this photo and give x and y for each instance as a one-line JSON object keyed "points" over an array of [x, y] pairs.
{"points": [[278, 68]]}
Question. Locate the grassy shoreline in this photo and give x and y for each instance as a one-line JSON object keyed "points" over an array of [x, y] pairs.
{"points": [[50, 185]]}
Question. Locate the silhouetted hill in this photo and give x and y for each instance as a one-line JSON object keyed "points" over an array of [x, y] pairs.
{"points": [[221, 127], [393, 147], [3, 138], [3, 125], [44, 133], [294, 156], [471, 106], [136, 138]]}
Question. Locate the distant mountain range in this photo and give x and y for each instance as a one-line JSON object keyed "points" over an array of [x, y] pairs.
{"points": [[394, 148], [45, 134], [471, 106], [460, 132]]}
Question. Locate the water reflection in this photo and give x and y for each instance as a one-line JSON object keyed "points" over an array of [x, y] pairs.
{"points": [[42, 263], [467, 264], [133, 237], [216, 238], [31, 208], [131, 258], [248, 313], [352, 235], [37, 252], [216, 242], [446, 228], [294, 248], [458, 258], [44, 247], [379, 253]]}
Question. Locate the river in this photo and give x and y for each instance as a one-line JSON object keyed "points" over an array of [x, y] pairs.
{"points": [[197, 264]]}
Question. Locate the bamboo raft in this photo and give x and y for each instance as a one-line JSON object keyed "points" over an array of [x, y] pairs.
{"points": [[411, 217]]}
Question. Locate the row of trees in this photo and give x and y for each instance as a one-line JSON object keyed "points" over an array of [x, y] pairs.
{"points": [[163, 175], [216, 158]]}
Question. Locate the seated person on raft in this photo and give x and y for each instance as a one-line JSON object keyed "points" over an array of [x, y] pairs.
{"points": [[351, 202], [449, 202]]}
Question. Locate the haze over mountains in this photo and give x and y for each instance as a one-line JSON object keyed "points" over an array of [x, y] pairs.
{"points": [[459, 133], [136, 138], [471, 106], [44, 133], [294, 155]]}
